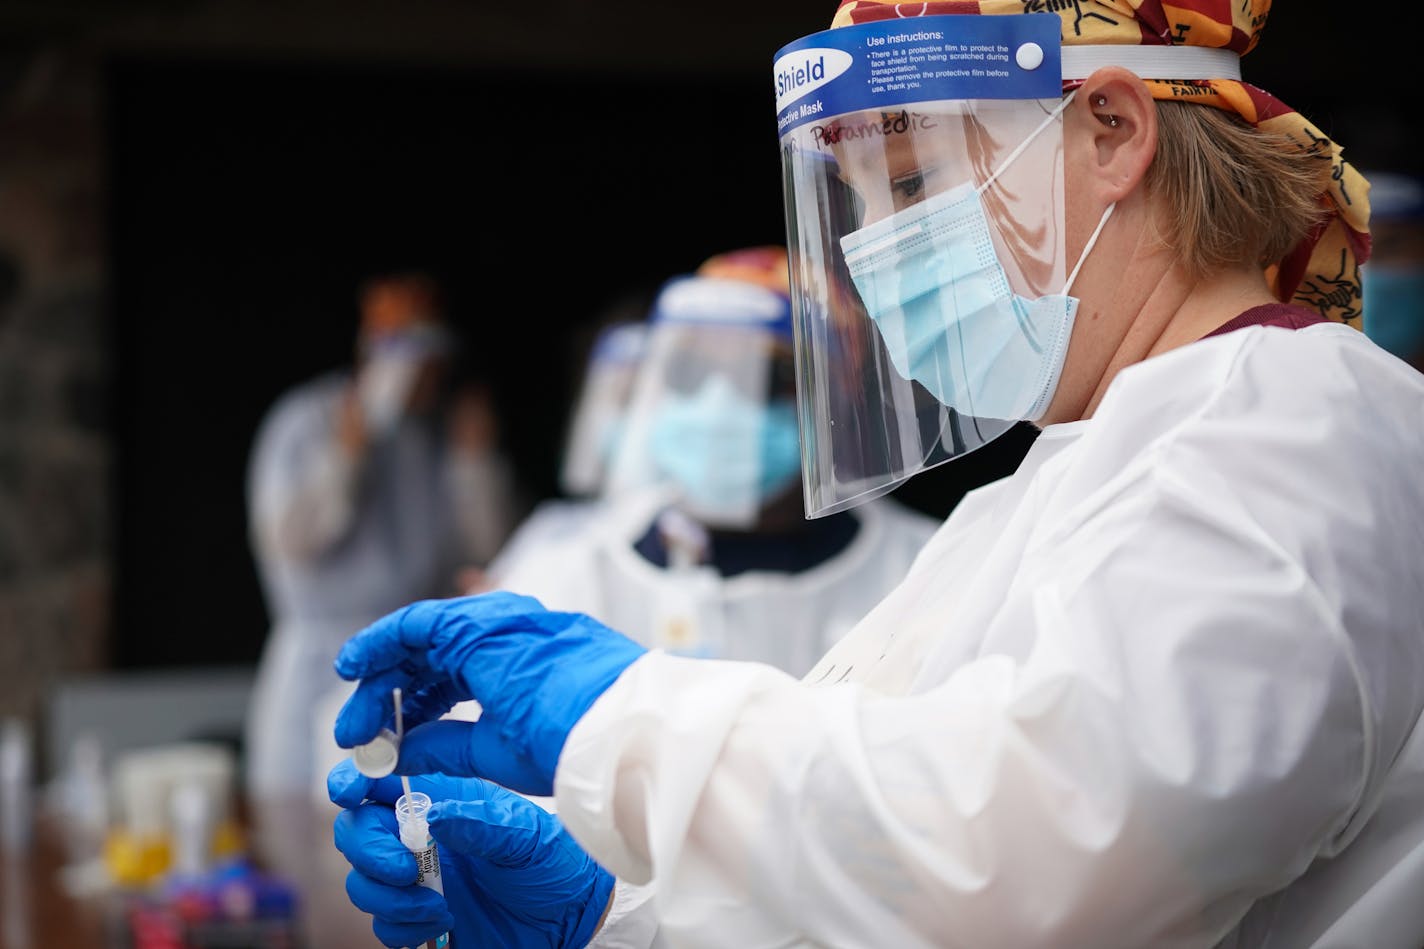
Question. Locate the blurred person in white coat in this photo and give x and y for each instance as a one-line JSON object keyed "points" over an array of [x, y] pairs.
{"points": [[366, 488], [702, 547]]}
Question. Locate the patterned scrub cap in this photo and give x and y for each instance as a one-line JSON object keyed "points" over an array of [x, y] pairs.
{"points": [[765, 266], [1323, 271]]}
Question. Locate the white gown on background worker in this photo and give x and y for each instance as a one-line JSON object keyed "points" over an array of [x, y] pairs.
{"points": [[1164, 682], [787, 620], [553, 521], [340, 544]]}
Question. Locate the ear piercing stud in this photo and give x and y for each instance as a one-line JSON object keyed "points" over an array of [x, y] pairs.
{"points": [[1101, 101]]}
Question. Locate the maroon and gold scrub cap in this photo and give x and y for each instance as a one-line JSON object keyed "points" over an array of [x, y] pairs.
{"points": [[1323, 271], [763, 265]]}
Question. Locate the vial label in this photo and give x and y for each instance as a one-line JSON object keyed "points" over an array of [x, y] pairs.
{"points": [[427, 863]]}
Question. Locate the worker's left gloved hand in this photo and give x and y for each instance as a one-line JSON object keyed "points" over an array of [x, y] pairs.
{"points": [[534, 672], [512, 875]]}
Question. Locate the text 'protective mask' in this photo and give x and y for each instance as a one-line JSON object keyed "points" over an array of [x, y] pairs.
{"points": [[932, 282]]}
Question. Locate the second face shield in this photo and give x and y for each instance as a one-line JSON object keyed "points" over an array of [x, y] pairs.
{"points": [[712, 419], [922, 166]]}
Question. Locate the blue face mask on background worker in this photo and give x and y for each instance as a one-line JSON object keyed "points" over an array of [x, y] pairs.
{"points": [[717, 445], [713, 415]]}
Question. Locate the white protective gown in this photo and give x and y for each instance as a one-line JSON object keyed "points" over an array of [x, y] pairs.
{"points": [[785, 620], [338, 545], [1160, 687], [552, 521]]}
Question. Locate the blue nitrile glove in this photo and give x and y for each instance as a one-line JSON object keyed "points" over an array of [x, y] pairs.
{"points": [[534, 672], [512, 875]]}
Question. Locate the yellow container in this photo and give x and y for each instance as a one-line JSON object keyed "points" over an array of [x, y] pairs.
{"points": [[134, 860]]}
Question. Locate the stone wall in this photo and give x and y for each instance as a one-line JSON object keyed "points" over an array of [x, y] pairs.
{"points": [[54, 444]]}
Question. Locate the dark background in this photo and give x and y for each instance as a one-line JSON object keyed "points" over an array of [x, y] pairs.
{"points": [[248, 204], [252, 185]]}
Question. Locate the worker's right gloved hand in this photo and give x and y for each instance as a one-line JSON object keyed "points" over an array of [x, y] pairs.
{"points": [[512, 875], [535, 673]]}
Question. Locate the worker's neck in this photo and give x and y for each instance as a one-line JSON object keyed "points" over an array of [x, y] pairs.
{"points": [[1209, 306], [1180, 311], [1158, 307]]}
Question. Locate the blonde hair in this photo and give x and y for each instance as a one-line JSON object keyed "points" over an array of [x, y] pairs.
{"points": [[1232, 194]]}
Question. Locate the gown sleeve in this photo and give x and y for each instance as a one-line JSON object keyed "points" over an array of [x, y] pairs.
{"points": [[1186, 732]]}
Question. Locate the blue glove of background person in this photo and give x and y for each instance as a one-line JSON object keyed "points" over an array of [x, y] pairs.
{"points": [[512, 875], [534, 672]]}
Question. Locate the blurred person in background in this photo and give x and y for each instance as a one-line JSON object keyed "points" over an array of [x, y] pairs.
{"points": [[1394, 277], [703, 548], [366, 489]]}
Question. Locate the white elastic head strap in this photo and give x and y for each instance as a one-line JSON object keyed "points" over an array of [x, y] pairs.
{"points": [[1147, 62], [1152, 62], [1082, 257], [1028, 140]]}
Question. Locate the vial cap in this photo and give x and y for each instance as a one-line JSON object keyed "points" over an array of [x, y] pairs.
{"points": [[377, 758]]}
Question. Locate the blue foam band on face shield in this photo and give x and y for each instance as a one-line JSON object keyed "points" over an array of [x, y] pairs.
{"points": [[717, 301], [888, 64]]}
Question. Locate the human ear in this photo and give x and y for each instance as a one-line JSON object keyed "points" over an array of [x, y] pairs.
{"points": [[1117, 119]]}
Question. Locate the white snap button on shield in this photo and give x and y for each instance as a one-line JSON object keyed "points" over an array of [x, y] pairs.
{"points": [[1029, 56]]}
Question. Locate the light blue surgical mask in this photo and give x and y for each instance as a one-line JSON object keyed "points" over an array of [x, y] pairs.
{"points": [[932, 282], [1394, 307], [725, 451], [611, 437]]}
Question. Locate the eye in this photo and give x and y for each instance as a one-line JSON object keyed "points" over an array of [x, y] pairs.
{"points": [[908, 188]]}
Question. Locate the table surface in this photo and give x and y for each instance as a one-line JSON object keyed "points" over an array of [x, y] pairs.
{"points": [[289, 837]]}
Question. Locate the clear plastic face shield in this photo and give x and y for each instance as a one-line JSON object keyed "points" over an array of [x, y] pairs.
{"points": [[599, 417], [712, 420], [923, 175], [390, 369]]}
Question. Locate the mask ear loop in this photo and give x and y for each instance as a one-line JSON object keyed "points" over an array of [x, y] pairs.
{"points": [[1019, 150], [1087, 248], [1009, 160]]}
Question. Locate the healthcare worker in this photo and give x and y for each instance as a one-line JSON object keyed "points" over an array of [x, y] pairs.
{"points": [[366, 489], [1162, 686], [703, 548], [597, 426]]}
